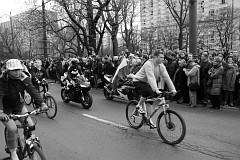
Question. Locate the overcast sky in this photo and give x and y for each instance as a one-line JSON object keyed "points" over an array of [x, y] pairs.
{"points": [[17, 6]]}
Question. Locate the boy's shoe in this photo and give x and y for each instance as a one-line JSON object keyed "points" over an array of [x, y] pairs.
{"points": [[136, 113], [140, 110], [152, 125]]}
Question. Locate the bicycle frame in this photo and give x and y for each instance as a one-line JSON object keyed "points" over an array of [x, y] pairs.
{"points": [[161, 104], [29, 139]]}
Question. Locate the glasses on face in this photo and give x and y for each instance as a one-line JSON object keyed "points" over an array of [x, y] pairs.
{"points": [[161, 57]]}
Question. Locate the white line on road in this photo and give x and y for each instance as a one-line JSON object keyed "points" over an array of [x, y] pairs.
{"points": [[105, 121]]}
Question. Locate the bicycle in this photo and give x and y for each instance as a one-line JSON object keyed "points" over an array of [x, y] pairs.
{"points": [[166, 119], [48, 99], [30, 146]]}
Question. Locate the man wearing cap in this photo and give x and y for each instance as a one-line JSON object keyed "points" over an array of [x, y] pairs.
{"points": [[13, 83]]}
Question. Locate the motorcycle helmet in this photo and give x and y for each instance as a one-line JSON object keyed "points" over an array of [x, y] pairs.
{"points": [[74, 61], [115, 58], [74, 71]]}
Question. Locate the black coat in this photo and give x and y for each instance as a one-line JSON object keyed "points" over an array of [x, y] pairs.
{"points": [[12, 92], [180, 79]]}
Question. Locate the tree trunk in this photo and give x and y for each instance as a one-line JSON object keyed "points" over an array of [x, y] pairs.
{"points": [[115, 45], [180, 38]]}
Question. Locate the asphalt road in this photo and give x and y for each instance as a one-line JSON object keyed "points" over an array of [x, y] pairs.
{"points": [[102, 133]]}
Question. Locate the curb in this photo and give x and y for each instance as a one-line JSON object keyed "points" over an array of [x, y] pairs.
{"points": [[230, 108]]}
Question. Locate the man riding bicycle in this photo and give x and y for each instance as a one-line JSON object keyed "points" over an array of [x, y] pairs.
{"points": [[146, 80], [13, 83], [38, 73]]}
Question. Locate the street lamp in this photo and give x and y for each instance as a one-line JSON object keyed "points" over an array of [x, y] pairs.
{"points": [[12, 31]]}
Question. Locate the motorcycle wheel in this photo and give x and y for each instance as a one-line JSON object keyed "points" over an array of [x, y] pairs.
{"points": [[64, 96], [107, 94], [88, 100]]}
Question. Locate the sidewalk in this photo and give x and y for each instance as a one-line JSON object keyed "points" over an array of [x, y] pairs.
{"points": [[234, 108]]}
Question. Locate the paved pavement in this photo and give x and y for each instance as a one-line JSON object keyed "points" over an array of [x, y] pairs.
{"points": [[102, 133]]}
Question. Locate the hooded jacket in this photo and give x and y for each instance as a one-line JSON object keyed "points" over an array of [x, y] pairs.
{"points": [[12, 92]]}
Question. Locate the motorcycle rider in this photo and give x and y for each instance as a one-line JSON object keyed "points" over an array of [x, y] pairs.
{"points": [[13, 82], [146, 80], [73, 71], [38, 73]]}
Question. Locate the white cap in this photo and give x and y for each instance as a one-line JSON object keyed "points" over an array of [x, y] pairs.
{"points": [[13, 64]]}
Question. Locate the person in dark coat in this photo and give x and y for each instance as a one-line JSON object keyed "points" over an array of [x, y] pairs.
{"points": [[108, 67], [205, 65], [180, 82], [171, 63], [229, 80], [215, 82], [13, 83], [97, 67]]}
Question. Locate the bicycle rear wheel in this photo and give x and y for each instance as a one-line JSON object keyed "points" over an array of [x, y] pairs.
{"points": [[52, 104], [36, 154], [134, 118], [171, 127]]}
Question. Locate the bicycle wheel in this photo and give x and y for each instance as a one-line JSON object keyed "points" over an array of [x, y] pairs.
{"points": [[27, 98], [52, 104], [134, 118], [171, 127], [36, 154]]}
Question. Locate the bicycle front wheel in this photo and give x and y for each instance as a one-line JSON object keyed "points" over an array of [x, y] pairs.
{"points": [[52, 104], [36, 154], [134, 118], [171, 127]]}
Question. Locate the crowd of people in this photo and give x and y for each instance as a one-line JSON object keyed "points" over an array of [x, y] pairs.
{"points": [[195, 80], [209, 77]]}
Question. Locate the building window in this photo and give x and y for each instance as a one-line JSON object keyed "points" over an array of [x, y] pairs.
{"points": [[223, 1], [211, 12]]}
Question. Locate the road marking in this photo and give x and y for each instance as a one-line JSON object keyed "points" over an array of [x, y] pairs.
{"points": [[105, 121]]}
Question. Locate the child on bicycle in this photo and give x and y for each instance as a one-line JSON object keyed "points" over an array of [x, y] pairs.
{"points": [[13, 82]]}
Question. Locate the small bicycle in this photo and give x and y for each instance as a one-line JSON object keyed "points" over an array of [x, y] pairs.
{"points": [[171, 126], [48, 99], [30, 146]]}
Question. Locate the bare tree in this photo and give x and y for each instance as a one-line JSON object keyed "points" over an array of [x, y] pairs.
{"points": [[223, 24], [85, 15], [114, 19], [148, 38], [168, 37], [179, 13], [129, 13]]}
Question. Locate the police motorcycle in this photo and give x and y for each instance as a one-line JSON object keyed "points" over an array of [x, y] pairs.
{"points": [[125, 90], [78, 90]]}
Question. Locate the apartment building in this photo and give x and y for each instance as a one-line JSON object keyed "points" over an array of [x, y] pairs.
{"points": [[155, 15], [25, 29]]}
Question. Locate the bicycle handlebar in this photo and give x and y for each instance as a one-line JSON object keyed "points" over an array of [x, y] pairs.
{"points": [[17, 116], [164, 94]]}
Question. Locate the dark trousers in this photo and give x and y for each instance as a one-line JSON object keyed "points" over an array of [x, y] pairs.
{"points": [[203, 95], [229, 97], [215, 100]]}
